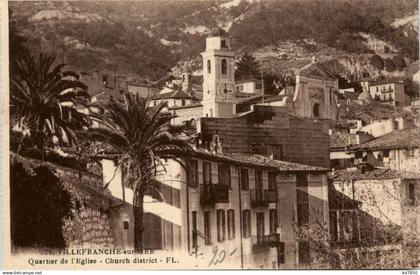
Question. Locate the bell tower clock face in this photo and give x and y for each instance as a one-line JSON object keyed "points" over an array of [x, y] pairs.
{"points": [[225, 90]]}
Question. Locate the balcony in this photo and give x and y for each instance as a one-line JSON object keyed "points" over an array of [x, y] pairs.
{"points": [[210, 194], [263, 242], [261, 198]]}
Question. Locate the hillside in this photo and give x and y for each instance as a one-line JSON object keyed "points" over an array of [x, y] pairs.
{"points": [[147, 38]]}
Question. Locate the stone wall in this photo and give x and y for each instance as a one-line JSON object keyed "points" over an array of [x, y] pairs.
{"points": [[89, 225]]}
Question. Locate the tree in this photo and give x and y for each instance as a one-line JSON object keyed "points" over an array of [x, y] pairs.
{"points": [[140, 135], [399, 62], [38, 204], [273, 83], [389, 65], [377, 62], [411, 88], [44, 101], [247, 68]]}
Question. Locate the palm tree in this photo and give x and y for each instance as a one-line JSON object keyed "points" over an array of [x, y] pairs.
{"points": [[139, 135], [44, 101]]}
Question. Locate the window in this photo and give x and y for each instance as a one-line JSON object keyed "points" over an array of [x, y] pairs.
{"points": [[153, 229], [410, 152], [105, 79], [223, 44], [183, 102], [277, 151], [207, 228], [302, 180], [194, 228], [258, 179], [231, 224], [411, 191], [273, 221], [206, 172], [193, 173], [272, 184], [224, 66], [386, 153], [280, 253], [209, 66], [316, 110], [125, 225], [302, 207], [304, 252], [224, 174], [244, 178], [221, 226], [246, 223], [260, 226]]}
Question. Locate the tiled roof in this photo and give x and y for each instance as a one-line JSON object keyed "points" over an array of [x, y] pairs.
{"points": [[394, 140], [367, 112], [339, 140], [257, 160], [395, 80], [278, 164], [375, 174], [175, 94], [192, 105]]}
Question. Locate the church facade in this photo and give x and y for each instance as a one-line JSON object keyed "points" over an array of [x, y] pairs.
{"points": [[314, 96]]}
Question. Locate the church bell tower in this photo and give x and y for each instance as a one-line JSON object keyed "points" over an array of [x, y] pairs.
{"points": [[218, 75]]}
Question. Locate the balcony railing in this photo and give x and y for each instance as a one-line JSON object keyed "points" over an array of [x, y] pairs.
{"points": [[261, 242], [213, 193], [261, 198]]}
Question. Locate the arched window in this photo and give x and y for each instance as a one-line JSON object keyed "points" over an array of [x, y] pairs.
{"points": [[224, 66], [208, 66], [316, 110]]}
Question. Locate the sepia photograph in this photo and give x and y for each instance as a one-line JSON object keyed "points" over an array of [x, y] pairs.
{"points": [[211, 134]]}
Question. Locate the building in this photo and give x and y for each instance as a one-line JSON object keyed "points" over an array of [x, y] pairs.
{"points": [[380, 127], [390, 92], [270, 130], [340, 143], [398, 150], [242, 204], [173, 96], [141, 89], [218, 75], [251, 86], [374, 220], [314, 96]]}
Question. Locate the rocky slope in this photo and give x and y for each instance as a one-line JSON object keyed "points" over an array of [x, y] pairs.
{"points": [[148, 37]]}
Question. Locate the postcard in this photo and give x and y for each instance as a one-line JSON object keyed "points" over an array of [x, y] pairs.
{"points": [[225, 134]]}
